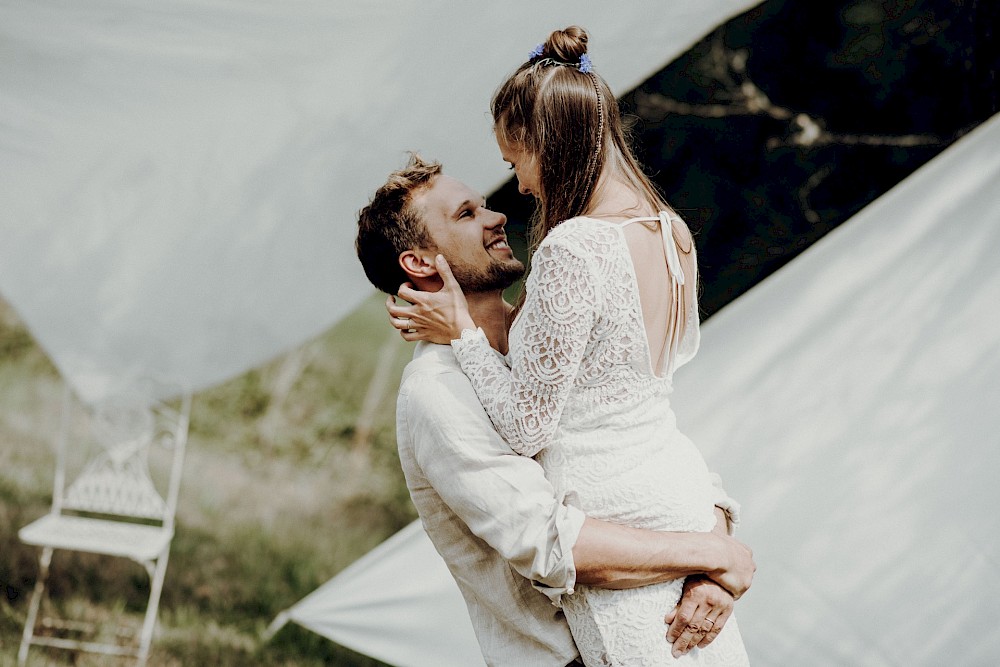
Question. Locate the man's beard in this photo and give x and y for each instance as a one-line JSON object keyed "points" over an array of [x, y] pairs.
{"points": [[496, 275]]}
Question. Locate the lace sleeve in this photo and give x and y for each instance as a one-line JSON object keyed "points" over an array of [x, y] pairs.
{"points": [[547, 345]]}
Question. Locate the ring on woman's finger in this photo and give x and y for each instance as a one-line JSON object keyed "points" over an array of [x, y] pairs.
{"points": [[407, 323]]}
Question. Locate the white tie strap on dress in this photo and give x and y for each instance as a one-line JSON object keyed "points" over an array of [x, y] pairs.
{"points": [[677, 321], [670, 248]]}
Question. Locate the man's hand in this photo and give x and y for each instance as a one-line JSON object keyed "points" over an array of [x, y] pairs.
{"points": [[700, 615], [738, 568]]}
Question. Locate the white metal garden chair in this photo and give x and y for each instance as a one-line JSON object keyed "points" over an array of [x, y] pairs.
{"points": [[118, 501]]}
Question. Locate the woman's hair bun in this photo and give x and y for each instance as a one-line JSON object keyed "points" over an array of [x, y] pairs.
{"points": [[566, 45]]}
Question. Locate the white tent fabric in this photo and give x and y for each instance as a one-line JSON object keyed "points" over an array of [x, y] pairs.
{"points": [[379, 606], [850, 402], [181, 179]]}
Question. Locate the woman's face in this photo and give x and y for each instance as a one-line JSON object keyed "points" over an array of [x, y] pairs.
{"points": [[524, 164]]}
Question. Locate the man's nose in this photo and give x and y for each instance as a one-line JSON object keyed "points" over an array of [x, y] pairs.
{"points": [[498, 220]]}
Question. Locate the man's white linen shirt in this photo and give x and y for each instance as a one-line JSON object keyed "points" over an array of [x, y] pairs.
{"points": [[489, 512]]}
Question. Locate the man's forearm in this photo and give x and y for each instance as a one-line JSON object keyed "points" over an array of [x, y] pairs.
{"points": [[612, 556]]}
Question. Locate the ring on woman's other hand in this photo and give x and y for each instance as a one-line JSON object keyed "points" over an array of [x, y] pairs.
{"points": [[409, 323]]}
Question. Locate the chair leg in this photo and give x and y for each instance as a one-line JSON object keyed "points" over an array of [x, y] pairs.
{"points": [[44, 560], [155, 588]]}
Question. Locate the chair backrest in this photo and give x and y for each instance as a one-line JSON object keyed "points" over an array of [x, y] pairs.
{"points": [[105, 452]]}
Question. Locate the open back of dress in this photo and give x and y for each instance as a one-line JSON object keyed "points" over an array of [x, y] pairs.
{"points": [[663, 260]]}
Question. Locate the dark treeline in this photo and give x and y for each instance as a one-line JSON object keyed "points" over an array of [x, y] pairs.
{"points": [[790, 118]]}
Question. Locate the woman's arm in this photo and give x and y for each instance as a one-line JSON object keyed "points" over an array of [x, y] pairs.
{"points": [[547, 346], [526, 400]]}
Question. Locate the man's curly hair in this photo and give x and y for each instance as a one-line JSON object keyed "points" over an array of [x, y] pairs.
{"points": [[389, 225]]}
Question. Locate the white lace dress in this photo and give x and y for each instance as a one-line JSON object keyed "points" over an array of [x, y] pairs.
{"points": [[582, 396]]}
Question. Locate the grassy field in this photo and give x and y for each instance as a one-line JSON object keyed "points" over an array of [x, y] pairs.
{"points": [[280, 492]]}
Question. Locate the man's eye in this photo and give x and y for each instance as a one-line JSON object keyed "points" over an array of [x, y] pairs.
{"points": [[464, 214]]}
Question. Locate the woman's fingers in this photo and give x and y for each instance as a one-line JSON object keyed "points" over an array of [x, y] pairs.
{"points": [[444, 270], [699, 616], [407, 292], [718, 623], [436, 316], [399, 311], [692, 632], [410, 335], [400, 317]]}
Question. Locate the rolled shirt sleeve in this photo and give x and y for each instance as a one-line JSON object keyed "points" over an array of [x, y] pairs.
{"points": [[503, 498]]}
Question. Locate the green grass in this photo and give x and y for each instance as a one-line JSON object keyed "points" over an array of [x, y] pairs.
{"points": [[279, 494]]}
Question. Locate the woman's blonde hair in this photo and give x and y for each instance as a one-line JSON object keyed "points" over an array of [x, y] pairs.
{"points": [[563, 114]]}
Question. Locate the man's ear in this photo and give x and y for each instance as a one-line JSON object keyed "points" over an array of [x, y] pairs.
{"points": [[418, 263]]}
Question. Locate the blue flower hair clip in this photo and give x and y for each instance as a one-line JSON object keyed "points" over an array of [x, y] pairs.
{"points": [[535, 57]]}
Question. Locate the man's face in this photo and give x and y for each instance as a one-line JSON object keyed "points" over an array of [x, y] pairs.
{"points": [[469, 235]]}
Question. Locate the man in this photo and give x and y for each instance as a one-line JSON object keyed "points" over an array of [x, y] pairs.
{"points": [[486, 509]]}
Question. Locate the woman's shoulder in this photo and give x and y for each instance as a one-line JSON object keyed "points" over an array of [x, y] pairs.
{"points": [[580, 231]]}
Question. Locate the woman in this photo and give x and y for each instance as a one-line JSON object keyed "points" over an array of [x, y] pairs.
{"points": [[608, 313]]}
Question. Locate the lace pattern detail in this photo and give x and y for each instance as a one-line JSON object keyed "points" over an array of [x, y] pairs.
{"points": [[579, 333]]}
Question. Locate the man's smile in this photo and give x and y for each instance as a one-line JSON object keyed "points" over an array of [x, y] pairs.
{"points": [[500, 243]]}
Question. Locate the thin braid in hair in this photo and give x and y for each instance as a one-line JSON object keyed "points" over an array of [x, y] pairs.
{"points": [[592, 166]]}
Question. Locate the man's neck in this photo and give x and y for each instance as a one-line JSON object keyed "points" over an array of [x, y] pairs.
{"points": [[490, 311]]}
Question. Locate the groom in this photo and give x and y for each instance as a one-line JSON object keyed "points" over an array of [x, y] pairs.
{"points": [[513, 547]]}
